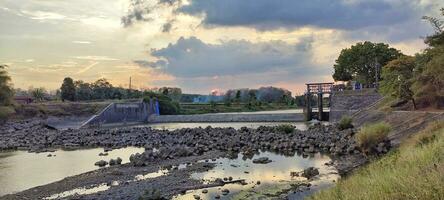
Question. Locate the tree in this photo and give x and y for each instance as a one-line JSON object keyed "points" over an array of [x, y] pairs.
{"points": [[39, 94], [6, 91], [360, 62], [83, 91], [397, 78], [429, 78], [238, 96], [68, 90], [438, 38]]}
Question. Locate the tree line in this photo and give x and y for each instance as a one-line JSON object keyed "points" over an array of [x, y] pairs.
{"points": [[418, 79]]}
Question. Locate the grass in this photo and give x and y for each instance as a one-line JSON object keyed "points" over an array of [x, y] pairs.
{"points": [[345, 123], [5, 112], [285, 128], [371, 135], [414, 171]]}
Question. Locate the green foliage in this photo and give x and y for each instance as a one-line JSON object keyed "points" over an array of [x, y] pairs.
{"points": [[68, 90], [371, 135], [397, 78], [412, 172], [6, 91], [359, 62], [166, 105], [345, 123], [39, 94], [285, 128], [5, 112], [173, 93], [429, 83]]}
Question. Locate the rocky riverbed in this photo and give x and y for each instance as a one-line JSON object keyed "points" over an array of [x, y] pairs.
{"points": [[168, 148]]}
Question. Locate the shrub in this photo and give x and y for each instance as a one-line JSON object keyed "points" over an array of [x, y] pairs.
{"points": [[166, 105], [285, 128], [345, 123], [411, 172], [371, 135], [5, 112]]}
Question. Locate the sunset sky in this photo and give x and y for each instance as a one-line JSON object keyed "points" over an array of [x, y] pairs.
{"points": [[198, 45]]}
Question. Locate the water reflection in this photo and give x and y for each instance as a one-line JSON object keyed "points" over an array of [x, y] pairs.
{"points": [[263, 179], [20, 170], [80, 191]]}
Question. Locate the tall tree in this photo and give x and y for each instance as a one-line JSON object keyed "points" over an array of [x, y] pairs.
{"points": [[6, 91], [397, 78], [362, 61], [68, 90], [429, 80]]}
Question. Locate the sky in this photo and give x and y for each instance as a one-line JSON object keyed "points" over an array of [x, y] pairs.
{"points": [[198, 45]]}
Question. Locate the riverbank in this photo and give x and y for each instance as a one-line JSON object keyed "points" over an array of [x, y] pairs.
{"points": [[166, 148], [413, 171]]}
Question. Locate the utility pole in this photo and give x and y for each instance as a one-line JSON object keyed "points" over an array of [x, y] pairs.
{"points": [[130, 83]]}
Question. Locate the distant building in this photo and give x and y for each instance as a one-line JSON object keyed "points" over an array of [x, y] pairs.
{"points": [[23, 99]]}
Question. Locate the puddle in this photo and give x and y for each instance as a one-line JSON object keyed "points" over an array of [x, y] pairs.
{"points": [[273, 177], [20, 170], [80, 191]]}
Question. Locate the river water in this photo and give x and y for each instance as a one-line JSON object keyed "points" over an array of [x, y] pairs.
{"points": [[20, 170]]}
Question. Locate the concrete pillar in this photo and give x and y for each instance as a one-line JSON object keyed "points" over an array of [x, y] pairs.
{"points": [[320, 107], [308, 111]]}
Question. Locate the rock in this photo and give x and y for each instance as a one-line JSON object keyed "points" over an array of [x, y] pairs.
{"points": [[225, 192], [204, 191], [262, 160], [217, 196], [196, 196], [101, 163], [103, 154], [310, 172], [258, 182], [49, 155]]}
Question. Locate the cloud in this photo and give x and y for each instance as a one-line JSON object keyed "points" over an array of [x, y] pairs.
{"points": [[43, 15], [157, 64], [166, 28], [137, 12], [191, 57], [337, 14], [87, 68], [81, 42], [96, 58]]}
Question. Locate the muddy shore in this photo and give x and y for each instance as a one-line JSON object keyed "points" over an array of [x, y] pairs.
{"points": [[165, 149]]}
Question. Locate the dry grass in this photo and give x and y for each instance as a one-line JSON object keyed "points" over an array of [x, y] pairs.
{"points": [[371, 135], [414, 171]]}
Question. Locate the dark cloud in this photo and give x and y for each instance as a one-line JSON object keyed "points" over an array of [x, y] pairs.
{"points": [[136, 12], [338, 14], [166, 28], [192, 57], [149, 64]]}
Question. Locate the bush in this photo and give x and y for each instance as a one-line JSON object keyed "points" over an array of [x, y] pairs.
{"points": [[5, 112], [412, 172], [345, 123], [285, 128], [166, 105], [371, 135]]}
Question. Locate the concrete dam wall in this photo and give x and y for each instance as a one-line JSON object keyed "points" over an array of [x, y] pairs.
{"points": [[134, 112], [351, 102], [229, 117]]}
